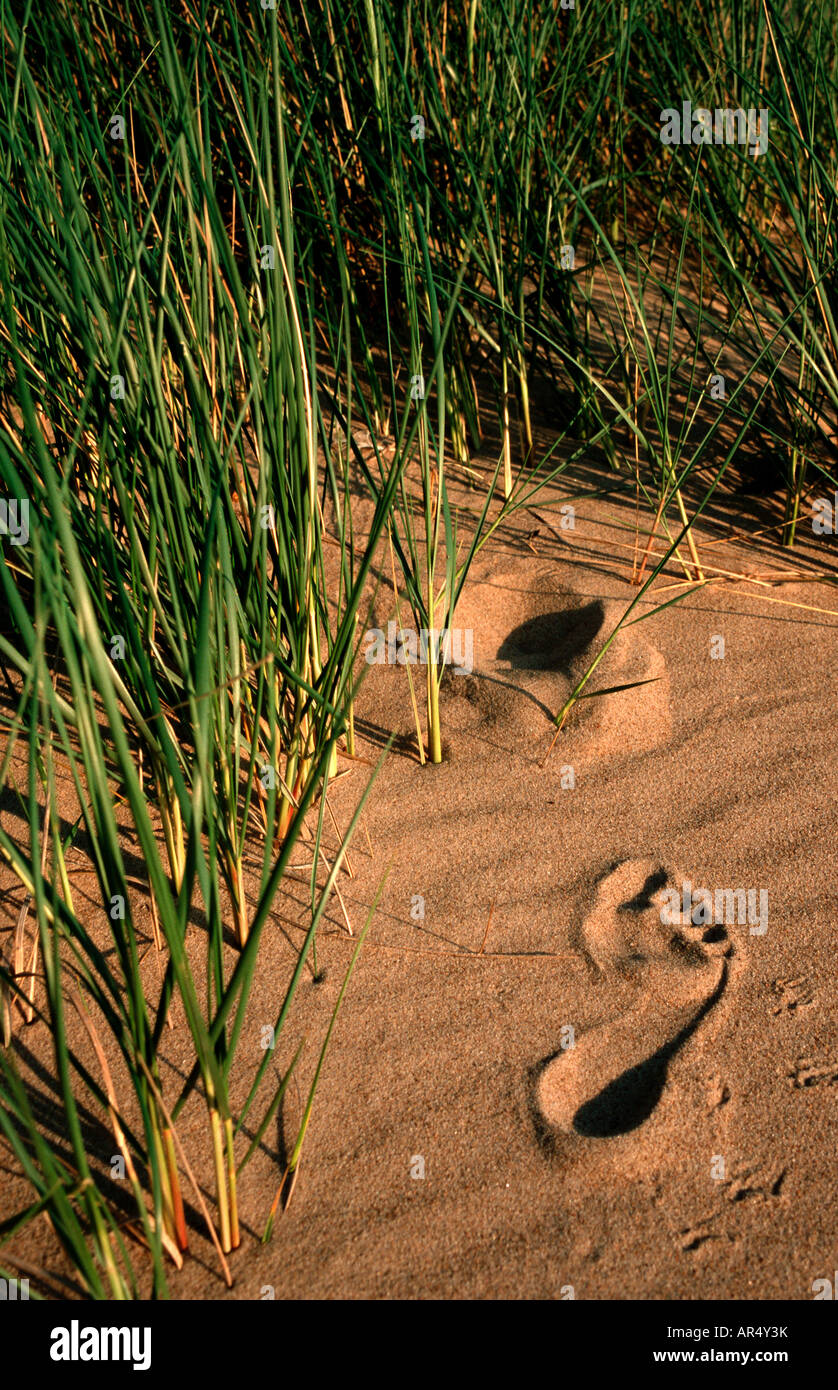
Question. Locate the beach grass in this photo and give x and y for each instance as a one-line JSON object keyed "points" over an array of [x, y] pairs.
{"points": [[232, 239]]}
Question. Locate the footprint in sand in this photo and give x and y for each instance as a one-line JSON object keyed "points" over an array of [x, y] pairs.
{"points": [[613, 1077], [534, 639]]}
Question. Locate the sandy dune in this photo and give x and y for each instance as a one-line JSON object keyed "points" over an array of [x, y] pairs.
{"points": [[673, 1151], [681, 1146]]}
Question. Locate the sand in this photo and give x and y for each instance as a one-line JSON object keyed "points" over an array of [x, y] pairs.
{"points": [[536, 1088]]}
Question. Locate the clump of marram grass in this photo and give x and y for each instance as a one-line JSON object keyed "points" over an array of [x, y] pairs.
{"points": [[215, 238], [175, 583]]}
